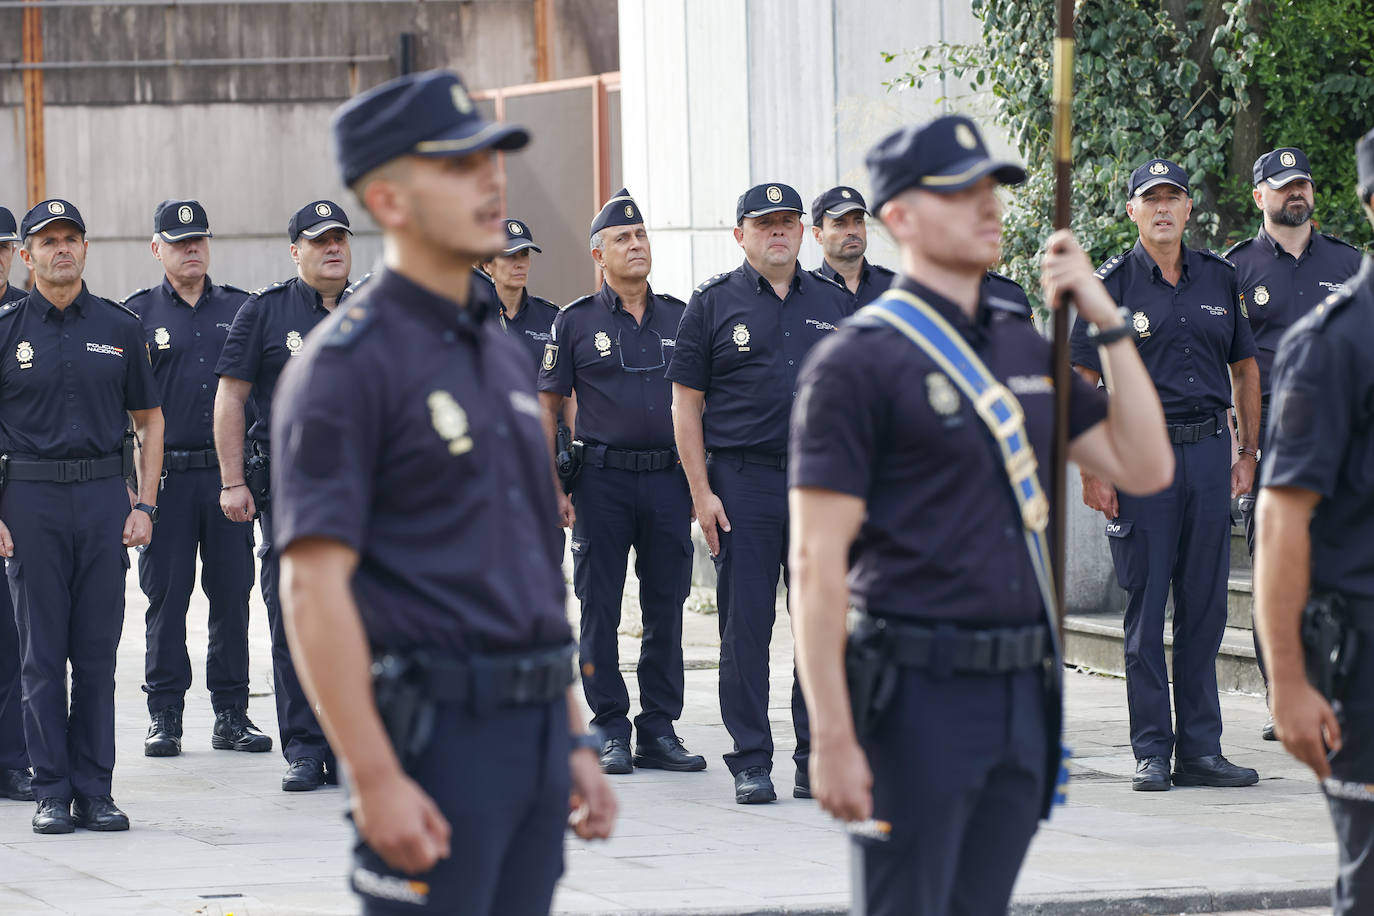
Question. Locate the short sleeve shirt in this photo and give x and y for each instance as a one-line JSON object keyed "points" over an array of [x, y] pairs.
{"points": [[531, 325], [410, 432], [1321, 432], [617, 367], [942, 537], [743, 347], [69, 376], [874, 279], [1007, 293], [184, 342], [1187, 335]]}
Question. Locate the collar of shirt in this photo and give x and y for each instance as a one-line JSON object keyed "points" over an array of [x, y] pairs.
{"points": [[838, 277], [1147, 263], [524, 305], [436, 311], [1278, 249], [613, 303], [311, 296], [48, 310], [175, 297], [759, 283]]}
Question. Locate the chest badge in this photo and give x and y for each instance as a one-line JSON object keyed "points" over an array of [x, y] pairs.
{"points": [[294, 342], [740, 335], [550, 356], [1140, 323], [602, 342], [450, 421], [1261, 295], [940, 392], [162, 339], [24, 353]]}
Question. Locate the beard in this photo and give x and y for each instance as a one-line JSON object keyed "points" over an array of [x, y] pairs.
{"points": [[1291, 215]]}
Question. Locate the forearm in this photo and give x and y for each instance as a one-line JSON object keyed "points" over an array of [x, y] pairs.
{"points": [[229, 430], [821, 605], [1283, 553], [1246, 384], [548, 417], [1135, 418], [575, 725], [149, 435], [691, 449]]}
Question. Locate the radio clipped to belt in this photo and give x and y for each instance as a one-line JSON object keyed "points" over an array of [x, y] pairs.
{"points": [[257, 474], [567, 458], [1330, 645]]}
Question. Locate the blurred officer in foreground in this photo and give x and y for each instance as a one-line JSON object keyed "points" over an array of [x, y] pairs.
{"points": [[612, 348], [73, 370], [839, 225], [734, 373], [185, 322], [14, 759], [894, 483], [420, 573], [268, 332], [1189, 324], [524, 317], [1315, 526], [1282, 273]]}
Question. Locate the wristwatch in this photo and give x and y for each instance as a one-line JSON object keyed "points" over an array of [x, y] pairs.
{"points": [[587, 740], [1112, 335], [151, 510]]}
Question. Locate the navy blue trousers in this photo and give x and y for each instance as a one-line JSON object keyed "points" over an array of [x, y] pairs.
{"points": [[189, 518], [959, 770], [301, 735], [1352, 810], [751, 555], [66, 580], [13, 755], [1178, 539], [502, 781], [650, 511]]}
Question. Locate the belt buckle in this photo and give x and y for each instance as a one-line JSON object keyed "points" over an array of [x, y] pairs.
{"points": [[178, 461], [74, 470], [644, 461]]}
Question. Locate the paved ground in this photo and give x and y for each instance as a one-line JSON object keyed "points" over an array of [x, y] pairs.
{"points": [[213, 834]]}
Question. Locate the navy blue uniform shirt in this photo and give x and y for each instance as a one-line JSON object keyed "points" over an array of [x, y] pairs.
{"points": [[67, 377], [874, 279], [1187, 335], [184, 343], [1008, 292], [412, 433], [1278, 288], [530, 326], [12, 293], [617, 367], [270, 329], [1321, 432], [942, 538], [744, 347]]}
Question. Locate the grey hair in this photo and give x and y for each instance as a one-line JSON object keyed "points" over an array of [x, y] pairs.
{"points": [[598, 242]]}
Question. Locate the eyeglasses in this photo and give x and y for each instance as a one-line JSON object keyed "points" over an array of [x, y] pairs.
{"points": [[620, 349]]}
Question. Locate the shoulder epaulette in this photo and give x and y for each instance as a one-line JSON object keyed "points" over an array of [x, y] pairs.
{"points": [[234, 289], [268, 288], [1238, 246], [356, 285], [993, 273], [540, 300], [1111, 264], [883, 270], [671, 298], [830, 282], [1340, 242], [713, 281], [485, 277], [580, 300], [350, 326], [137, 292], [10, 308], [1209, 253], [122, 307]]}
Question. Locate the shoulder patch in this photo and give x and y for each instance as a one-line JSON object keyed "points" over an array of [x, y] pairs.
{"points": [[580, 300], [1238, 246], [1111, 265], [233, 289], [1338, 241], [135, 294], [713, 281], [1209, 253], [353, 323]]}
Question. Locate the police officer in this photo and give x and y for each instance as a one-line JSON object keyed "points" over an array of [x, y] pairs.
{"points": [[1189, 324], [734, 375], [268, 331], [9, 241], [612, 349], [185, 322], [526, 318], [897, 482], [1315, 524], [413, 498], [74, 369], [839, 225]]}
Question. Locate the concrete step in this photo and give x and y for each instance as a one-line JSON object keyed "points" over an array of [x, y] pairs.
{"points": [[1240, 599], [1094, 641]]}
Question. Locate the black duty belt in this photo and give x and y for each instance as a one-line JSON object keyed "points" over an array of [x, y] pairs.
{"points": [[628, 459], [484, 683], [952, 650], [1188, 433], [767, 459], [189, 461], [70, 470]]}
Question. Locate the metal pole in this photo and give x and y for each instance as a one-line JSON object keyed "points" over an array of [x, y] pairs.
{"points": [[1063, 203], [35, 159]]}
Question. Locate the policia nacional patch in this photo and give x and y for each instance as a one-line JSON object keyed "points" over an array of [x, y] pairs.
{"points": [[550, 356]]}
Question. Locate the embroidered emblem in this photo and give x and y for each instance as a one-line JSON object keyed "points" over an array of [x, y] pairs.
{"points": [[514, 228], [1288, 159], [162, 339], [740, 335], [450, 421], [460, 99], [774, 194], [1141, 323], [322, 210], [185, 215], [294, 342], [940, 392], [24, 353], [1261, 295], [602, 342], [964, 137], [1158, 168], [56, 208], [550, 356]]}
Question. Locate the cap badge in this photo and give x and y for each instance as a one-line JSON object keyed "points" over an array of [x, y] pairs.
{"points": [[162, 339], [1288, 159], [450, 421], [1158, 168], [630, 211], [294, 342], [514, 228], [740, 335], [323, 210], [550, 356], [774, 194], [1261, 295], [846, 195], [56, 208], [602, 342], [963, 135], [461, 100], [1140, 322], [185, 215], [943, 399], [24, 353]]}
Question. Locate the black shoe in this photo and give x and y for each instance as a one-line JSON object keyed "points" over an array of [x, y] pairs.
{"points": [[99, 813], [1268, 733], [801, 786], [754, 787], [234, 731], [16, 784], [304, 774], [615, 757], [53, 816], [164, 735], [668, 753], [1215, 771], [1151, 775]]}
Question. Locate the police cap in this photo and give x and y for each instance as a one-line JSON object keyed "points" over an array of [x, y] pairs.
{"points": [[315, 219], [944, 155], [50, 211], [1364, 165], [1282, 166], [174, 220], [767, 198], [419, 114], [518, 237], [9, 229], [836, 203], [620, 210], [1156, 172]]}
